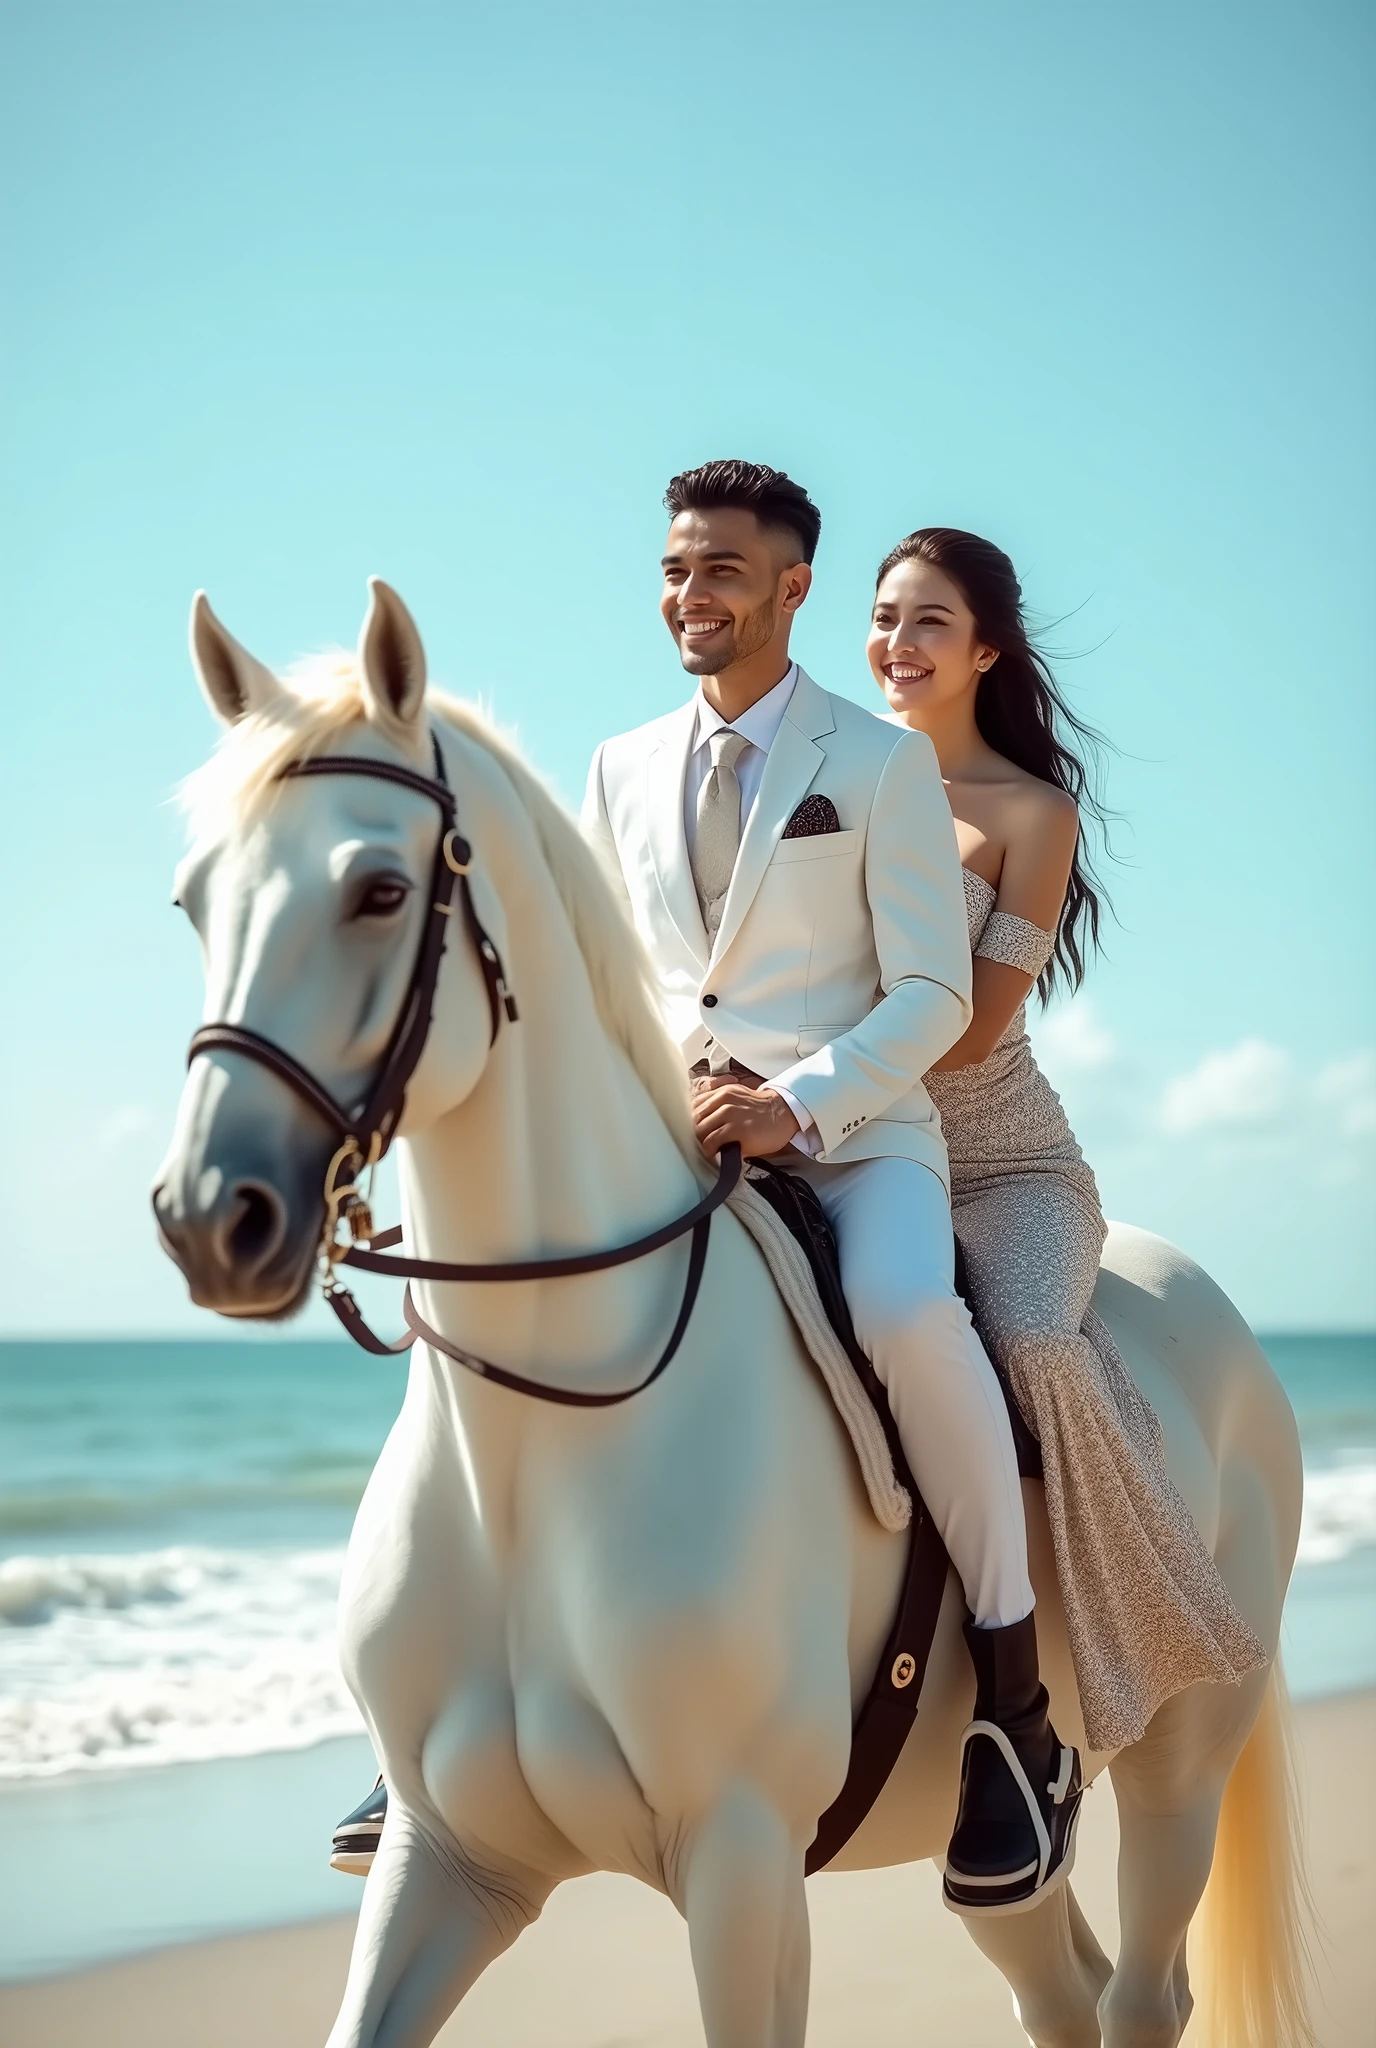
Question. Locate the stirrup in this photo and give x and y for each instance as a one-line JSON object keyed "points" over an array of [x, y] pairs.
{"points": [[357, 1837], [974, 1895]]}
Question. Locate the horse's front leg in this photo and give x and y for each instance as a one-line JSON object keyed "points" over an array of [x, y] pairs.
{"points": [[433, 1918], [738, 1877]]}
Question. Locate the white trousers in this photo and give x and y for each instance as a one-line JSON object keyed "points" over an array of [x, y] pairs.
{"points": [[893, 1227]]}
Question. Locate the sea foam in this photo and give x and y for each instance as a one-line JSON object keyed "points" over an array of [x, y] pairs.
{"points": [[110, 1661], [168, 1656], [1339, 1509]]}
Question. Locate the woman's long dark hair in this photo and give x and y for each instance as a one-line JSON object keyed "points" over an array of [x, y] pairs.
{"points": [[1021, 714]]}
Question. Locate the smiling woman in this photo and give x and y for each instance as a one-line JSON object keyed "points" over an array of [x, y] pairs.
{"points": [[1146, 1605], [961, 589]]}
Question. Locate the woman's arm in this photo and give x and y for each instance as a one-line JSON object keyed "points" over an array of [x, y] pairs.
{"points": [[1043, 827]]}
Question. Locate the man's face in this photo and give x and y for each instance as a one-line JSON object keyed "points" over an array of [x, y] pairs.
{"points": [[726, 581]]}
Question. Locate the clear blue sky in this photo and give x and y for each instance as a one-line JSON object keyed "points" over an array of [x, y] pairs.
{"points": [[298, 292]]}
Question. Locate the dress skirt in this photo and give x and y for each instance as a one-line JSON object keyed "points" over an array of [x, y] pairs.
{"points": [[1147, 1611]]}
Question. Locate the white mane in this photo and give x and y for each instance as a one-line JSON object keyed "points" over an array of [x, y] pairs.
{"points": [[616, 962], [323, 699]]}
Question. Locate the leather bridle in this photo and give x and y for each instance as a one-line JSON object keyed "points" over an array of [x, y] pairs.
{"points": [[366, 1131]]}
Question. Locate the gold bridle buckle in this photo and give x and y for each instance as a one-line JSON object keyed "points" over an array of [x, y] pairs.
{"points": [[347, 1203]]}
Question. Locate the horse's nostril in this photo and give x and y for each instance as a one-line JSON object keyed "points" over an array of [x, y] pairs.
{"points": [[259, 1227]]}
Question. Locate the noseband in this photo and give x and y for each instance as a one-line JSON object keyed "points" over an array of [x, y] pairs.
{"points": [[366, 1132]]}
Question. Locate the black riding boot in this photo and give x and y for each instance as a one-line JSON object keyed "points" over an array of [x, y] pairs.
{"points": [[358, 1834], [1020, 1786]]}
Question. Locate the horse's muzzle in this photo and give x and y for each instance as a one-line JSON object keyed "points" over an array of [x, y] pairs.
{"points": [[237, 1201], [231, 1247]]}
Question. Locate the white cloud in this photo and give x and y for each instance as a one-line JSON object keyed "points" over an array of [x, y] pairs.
{"points": [[1349, 1088], [1255, 1088], [1251, 1085], [1072, 1039]]}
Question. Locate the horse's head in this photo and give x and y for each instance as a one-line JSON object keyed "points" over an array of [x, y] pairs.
{"points": [[311, 895]]}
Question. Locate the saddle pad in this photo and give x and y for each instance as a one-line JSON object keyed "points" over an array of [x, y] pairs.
{"points": [[787, 1262]]}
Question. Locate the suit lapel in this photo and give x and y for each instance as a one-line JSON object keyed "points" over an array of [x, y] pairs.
{"points": [[666, 768], [794, 760]]}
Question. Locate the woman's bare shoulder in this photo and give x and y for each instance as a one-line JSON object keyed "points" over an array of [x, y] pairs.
{"points": [[1021, 803], [1040, 806], [1041, 829]]}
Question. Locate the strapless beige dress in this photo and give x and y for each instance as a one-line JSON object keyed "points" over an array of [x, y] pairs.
{"points": [[1147, 1611]]}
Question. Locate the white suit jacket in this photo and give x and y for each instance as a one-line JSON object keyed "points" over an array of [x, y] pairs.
{"points": [[841, 967]]}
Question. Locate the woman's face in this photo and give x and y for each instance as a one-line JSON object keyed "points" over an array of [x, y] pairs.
{"points": [[922, 645]]}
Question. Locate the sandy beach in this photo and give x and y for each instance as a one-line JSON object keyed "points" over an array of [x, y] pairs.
{"points": [[608, 1962]]}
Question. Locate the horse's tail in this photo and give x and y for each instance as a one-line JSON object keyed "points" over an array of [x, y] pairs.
{"points": [[1255, 1916]]}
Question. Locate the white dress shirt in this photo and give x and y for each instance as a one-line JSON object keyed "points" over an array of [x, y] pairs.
{"points": [[760, 725]]}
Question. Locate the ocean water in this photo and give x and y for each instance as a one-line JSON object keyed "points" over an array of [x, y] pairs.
{"points": [[173, 1519], [175, 1739], [1329, 1638]]}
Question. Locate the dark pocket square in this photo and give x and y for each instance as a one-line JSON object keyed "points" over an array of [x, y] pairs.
{"points": [[814, 815]]}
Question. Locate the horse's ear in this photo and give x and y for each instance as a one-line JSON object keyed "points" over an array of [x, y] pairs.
{"points": [[233, 682], [391, 658]]}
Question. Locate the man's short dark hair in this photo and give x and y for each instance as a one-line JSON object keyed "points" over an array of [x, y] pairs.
{"points": [[776, 501]]}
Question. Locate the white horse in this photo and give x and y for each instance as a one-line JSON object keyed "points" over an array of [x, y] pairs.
{"points": [[633, 1639]]}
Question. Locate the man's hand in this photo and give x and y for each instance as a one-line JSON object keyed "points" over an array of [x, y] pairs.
{"points": [[729, 1112]]}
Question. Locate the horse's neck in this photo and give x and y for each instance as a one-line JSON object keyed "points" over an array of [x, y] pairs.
{"points": [[558, 1149]]}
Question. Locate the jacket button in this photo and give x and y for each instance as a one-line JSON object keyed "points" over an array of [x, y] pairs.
{"points": [[709, 1002]]}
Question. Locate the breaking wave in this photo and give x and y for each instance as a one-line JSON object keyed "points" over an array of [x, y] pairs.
{"points": [[1339, 1509], [167, 1656], [111, 1661]]}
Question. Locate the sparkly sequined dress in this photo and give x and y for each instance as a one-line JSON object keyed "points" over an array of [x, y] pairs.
{"points": [[1147, 1611]]}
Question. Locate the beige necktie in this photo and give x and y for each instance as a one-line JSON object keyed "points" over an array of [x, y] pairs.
{"points": [[718, 837]]}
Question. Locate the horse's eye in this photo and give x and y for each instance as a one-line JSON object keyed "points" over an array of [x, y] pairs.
{"points": [[382, 899]]}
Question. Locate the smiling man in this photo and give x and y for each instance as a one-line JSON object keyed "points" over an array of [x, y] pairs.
{"points": [[791, 864]]}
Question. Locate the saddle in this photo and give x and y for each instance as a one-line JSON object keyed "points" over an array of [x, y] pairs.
{"points": [[886, 1717]]}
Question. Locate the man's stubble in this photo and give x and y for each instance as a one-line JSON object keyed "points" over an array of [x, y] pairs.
{"points": [[755, 633]]}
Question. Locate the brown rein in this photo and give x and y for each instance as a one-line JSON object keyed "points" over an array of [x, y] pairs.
{"points": [[698, 1220], [367, 1130]]}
